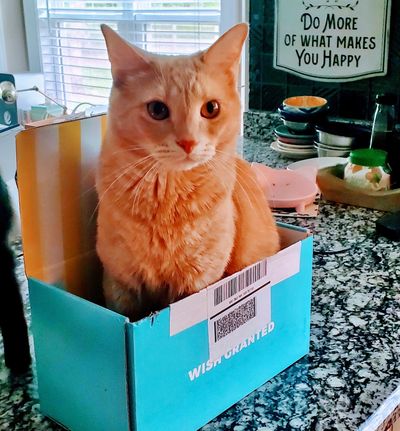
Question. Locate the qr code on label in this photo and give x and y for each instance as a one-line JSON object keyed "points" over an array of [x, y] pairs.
{"points": [[236, 318]]}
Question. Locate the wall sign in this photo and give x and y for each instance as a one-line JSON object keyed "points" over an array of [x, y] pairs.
{"points": [[332, 40]]}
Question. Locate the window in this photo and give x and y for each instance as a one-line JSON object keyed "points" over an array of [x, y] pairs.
{"points": [[72, 50]]}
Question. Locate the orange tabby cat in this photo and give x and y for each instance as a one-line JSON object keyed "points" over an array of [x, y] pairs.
{"points": [[177, 208]]}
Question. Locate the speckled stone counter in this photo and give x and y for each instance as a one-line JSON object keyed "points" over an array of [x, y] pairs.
{"points": [[353, 363]]}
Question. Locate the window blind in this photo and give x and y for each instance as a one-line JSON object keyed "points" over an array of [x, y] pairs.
{"points": [[73, 52]]}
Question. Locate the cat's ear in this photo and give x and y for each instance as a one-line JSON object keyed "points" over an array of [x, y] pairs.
{"points": [[227, 49], [124, 57]]}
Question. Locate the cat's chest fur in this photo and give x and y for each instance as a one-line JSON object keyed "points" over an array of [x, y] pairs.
{"points": [[174, 229]]}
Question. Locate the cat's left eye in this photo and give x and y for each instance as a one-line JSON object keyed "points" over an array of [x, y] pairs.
{"points": [[210, 109], [158, 110]]}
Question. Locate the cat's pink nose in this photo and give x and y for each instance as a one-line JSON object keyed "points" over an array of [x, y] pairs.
{"points": [[187, 145]]}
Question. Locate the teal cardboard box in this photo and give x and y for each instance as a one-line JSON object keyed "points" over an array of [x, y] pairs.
{"points": [[175, 370]]}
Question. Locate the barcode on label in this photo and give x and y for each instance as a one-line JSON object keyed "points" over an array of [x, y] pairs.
{"points": [[243, 280], [236, 318]]}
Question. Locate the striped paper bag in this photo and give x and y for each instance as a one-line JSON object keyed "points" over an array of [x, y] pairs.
{"points": [[56, 167]]}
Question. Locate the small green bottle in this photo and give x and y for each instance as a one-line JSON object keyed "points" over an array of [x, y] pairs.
{"points": [[367, 169]]}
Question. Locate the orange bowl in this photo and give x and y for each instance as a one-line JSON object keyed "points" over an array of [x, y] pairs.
{"points": [[304, 104]]}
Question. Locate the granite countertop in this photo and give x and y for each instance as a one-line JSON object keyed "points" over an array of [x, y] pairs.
{"points": [[355, 335]]}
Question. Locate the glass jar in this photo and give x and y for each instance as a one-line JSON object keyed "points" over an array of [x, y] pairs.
{"points": [[383, 122], [367, 169]]}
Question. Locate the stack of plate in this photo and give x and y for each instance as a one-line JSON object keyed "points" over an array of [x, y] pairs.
{"points": [[294, 145]]}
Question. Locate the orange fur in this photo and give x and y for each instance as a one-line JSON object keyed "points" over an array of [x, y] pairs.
{"points": [[256, 236], [171, 223]]}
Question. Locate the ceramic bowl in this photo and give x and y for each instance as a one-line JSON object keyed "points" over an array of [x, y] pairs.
{"points": [[297, 126], [332, 147], [331, 152], [316, 116], [288, 136], [344, 135], [304, 104]]}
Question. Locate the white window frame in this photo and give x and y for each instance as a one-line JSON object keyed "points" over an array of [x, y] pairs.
{"points": [[32, 36], [232, 12], [3, 53]]}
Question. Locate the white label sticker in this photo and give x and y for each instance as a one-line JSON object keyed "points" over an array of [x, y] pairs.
{"points": [[188, 312], [227, 292], [284, 264], [237, 308]]}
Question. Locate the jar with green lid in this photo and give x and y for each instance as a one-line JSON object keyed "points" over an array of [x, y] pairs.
{"points": [[367, 168]]}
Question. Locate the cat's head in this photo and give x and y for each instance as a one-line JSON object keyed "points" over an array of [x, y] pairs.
{"points": [[180, 110]]}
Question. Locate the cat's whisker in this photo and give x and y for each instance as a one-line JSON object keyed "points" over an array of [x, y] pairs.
{"points": [[217, 163], [251, 196], [130, 166], [91, 172], [140, 186], [234, 178], [127, 169], [142, 171], [253, 179], [154, 177], [250, 178], [237, 177], [142, 160], [135, 192], [133, 175], [213, 165], [229, 155], [109, 187], [239, 168], [130, 184], [231, 175], [130, 149], [87, 191], [123, 188]]}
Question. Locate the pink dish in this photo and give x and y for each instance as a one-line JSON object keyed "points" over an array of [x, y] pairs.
{"points": [[284, 188]]}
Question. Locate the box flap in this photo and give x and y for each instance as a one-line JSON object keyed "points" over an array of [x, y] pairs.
{"points": [[81, 360], [290, 234], [56, 179]]}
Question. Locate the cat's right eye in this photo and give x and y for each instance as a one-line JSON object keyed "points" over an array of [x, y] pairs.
{"points": [[210, 109], [158, 110]]}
